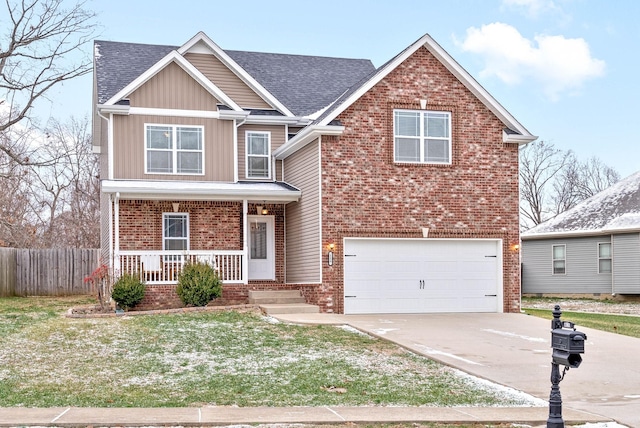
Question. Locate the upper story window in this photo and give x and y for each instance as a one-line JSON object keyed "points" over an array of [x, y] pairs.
{"points": [[559, 259], [604, 257], [175, 231], [174, 149], [422, 136], [258, 154]]}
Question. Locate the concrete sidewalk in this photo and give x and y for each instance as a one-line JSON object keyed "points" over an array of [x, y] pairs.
{"points": [[204, 416]]}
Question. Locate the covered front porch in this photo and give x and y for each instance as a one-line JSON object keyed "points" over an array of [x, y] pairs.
{"points": [[237, 228]]}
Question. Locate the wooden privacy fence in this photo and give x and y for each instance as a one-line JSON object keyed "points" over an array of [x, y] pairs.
{"points": [[51, 272], [7, 272]]}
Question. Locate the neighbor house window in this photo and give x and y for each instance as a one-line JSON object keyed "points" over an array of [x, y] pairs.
{"points": [[173, 149], [422, 136], [258, 154], [175, 231], [604, 257], [559, 259]]}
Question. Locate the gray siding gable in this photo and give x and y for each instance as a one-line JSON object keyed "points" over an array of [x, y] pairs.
{"points": [[626, 263]]}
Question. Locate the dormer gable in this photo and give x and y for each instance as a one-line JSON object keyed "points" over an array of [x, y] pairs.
{"points": [[220, 68], [173, 58]]}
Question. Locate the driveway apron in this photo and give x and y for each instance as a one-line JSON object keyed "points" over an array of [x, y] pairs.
{"points": [[514, 350]]}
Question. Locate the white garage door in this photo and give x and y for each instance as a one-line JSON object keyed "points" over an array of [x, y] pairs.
{"points": [[422, 275]]}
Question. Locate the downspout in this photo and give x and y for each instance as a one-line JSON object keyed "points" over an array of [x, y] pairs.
{"points": [[237, 124]]}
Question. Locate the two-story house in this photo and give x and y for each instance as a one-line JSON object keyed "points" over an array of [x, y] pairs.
{"points": [[369, 190]]}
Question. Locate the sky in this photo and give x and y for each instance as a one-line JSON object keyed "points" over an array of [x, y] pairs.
{"points": [[565, 69]]}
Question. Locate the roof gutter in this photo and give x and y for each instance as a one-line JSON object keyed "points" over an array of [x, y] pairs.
{"points": [[115, 109], [577, 233], [305, 137], [518, 138]]}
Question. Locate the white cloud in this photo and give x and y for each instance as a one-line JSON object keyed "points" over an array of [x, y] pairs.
{"points": [[532, 8], [556, 63]]}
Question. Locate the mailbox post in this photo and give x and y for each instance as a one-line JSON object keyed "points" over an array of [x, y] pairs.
{"points": [[567, 344]]}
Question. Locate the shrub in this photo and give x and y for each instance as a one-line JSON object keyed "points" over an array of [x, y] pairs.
{"points": [[128, 291], [198, 284]]}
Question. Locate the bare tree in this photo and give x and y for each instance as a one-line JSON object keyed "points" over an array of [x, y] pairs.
{"points": [[540, 162], [553, 181], [67, 200], [38, 50]]}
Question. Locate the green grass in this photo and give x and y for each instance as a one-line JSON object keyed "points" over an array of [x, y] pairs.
{"points": [[210, 358], [621, 324]]}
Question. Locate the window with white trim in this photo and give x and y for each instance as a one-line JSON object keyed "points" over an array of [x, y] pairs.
{"points": [[258, 154], [604, 257], [422, 136], [175, 231], [559, 259], [174, 149]]}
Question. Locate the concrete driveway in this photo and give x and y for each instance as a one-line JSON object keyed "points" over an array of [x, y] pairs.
{"points": [[514, 350]]}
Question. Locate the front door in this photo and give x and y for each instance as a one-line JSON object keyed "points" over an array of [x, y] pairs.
{"points": [[262, 260]]}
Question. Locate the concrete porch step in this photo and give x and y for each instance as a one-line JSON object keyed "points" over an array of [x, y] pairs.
{"points": [[275, 297], [289, 308]]}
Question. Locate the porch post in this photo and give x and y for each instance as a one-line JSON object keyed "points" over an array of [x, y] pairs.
{"points": [[116, 226], [245, 243]]}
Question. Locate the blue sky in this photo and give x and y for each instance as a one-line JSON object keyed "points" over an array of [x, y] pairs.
{"points": [[566, 69]]}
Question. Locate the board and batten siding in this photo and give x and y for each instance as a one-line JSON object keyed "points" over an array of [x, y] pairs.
{"points": [[303, 241], [581, 267], [278, 138], [626, 263], [129, 140], [173, 88], [227, 81]]}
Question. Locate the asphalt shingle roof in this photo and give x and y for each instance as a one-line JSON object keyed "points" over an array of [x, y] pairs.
{"points": [[304, 84], [615, 208]]}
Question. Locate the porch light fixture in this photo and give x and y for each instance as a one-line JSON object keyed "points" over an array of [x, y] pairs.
{"points": [[176, 206], [264, 210], [515, 247], [331, 246]]}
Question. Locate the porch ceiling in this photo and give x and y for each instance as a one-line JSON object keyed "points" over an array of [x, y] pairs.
{"points": [[202, 191]]}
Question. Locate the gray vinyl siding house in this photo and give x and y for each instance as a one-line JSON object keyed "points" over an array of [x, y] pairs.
{"points": [[591, 249]]}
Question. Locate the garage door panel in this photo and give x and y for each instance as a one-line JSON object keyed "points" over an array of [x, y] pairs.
{"points": [[421, 276]]}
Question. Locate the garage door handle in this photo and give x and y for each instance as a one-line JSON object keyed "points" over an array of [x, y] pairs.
{"points": [[349, 296]]}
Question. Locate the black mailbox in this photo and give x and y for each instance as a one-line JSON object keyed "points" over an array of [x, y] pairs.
{"points": [[567, 346]]}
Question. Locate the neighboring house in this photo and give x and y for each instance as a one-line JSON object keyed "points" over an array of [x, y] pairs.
{"points": [[369, 190], [593, 248]]}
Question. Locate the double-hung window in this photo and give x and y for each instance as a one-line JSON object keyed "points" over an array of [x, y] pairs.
{"points": [[604, 257], [175, 231], [559, 259], [422, 136], [174, 149], [258, 149]]}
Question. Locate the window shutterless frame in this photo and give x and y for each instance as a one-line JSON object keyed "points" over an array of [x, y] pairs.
{"points": [[605, 257], [173, 149], [175, 231], [422, 136], [258, 154], [559, 259]]}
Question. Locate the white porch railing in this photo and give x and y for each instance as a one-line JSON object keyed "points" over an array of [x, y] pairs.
{"points": [[163, 267]]}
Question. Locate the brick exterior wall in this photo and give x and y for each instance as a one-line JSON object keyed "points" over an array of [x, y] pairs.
{"points": [[366, 194], [212, 226]]}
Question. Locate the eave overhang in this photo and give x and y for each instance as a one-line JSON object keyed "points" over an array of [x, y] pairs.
{"points": [[306, 136], [578, 233]]}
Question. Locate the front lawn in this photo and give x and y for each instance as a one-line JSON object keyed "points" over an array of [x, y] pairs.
{"points": [[621, 324], [212, 358]]}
